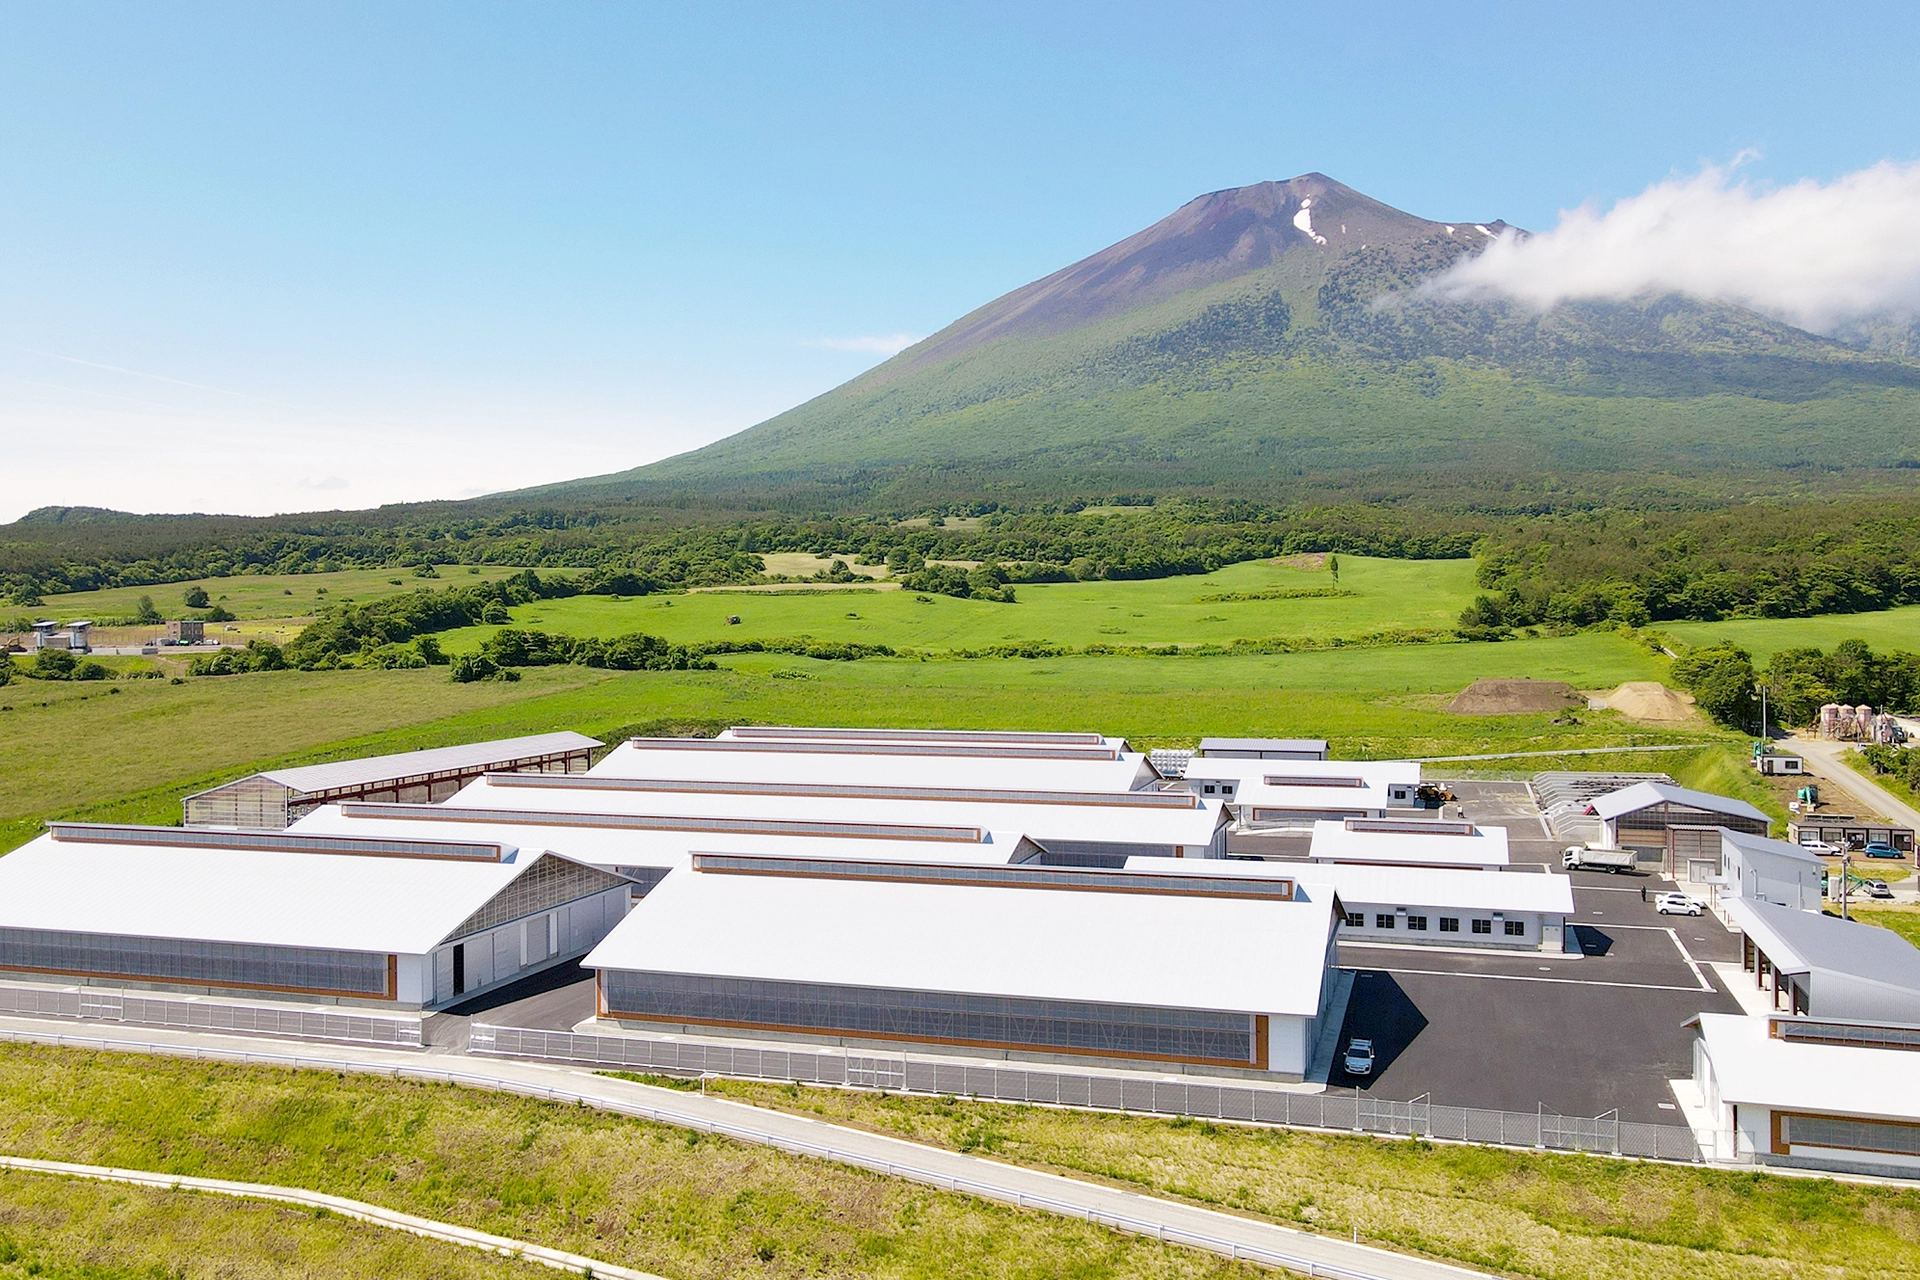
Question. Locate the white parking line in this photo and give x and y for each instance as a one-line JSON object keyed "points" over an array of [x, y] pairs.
{"points": [[1527, 977]]}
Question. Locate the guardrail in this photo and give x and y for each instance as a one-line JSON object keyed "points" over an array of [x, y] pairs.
{"points": [[106, 1004], [1250, 1102]]}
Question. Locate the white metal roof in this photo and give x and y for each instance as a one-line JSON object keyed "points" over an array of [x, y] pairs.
{"points": [[1453, 888], [1334, 842], [816, 733], [1127, 773], [1115, 824], [1754, 1070], [349, 902], [1237, 954], [1318, 745], [604, 847], [1644, 795], [1799, 941], [315, 778], [1775, 848], [1373, 772]]}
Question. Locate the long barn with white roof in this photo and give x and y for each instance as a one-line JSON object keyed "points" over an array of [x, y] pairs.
{"points": [[1096, 765], [397, 923], [1070, 827], [1195, 972]]}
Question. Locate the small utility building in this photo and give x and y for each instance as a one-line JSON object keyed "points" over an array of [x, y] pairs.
{"points": [[1740, 865], [1637, 817], [401, 924], [277, 797], [1181, 971], [1826, 967]]}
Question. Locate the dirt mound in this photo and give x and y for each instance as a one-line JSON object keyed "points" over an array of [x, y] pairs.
{"points": [[1514, 697], [1651, 701]]}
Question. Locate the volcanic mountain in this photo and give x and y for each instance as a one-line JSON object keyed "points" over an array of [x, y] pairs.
{"points": [[1276, 338]]}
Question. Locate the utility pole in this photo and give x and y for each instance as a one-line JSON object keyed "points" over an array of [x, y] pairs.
{"points": [[1763, 710]]}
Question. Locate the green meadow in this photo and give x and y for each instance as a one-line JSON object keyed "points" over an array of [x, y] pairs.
{"points": [[265, 595], [128, 750], [1764, 637], [1254, 599]]}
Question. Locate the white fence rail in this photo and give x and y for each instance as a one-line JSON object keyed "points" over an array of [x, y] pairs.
{"points": [[105, 1004], [1225, 1101]]}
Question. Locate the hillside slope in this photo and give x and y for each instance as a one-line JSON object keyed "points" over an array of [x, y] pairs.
{"points": [[1271, 337]]}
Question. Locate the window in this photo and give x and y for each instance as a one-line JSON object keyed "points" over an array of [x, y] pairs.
{"points": [[1449, 924], [1383, 921], [1209, 788], [1516, 928], [1226, 788], [1356, 919], [1483, 926], [1417, 923]]}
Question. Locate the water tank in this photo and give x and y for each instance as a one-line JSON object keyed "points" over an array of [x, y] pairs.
{"points": [[1829, 719], [1863, 721]]}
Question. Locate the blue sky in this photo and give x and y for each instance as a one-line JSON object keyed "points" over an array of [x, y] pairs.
{"points": [[265, 258]]}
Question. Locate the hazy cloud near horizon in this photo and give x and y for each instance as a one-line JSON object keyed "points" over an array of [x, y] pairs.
{"points": [[1817, 255]]}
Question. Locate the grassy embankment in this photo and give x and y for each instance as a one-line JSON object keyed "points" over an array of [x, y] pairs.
{"points": [[676, 1203], [57, 1228], [130, 755], [690, 1206]]}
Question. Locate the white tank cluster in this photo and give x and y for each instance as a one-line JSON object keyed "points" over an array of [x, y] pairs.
{"points": [[1857, 724]]}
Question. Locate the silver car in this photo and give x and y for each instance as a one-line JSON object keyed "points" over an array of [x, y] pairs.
{"points": [[1676, 904], [1359, 1059]]}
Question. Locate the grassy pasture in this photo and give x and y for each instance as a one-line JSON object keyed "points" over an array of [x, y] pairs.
{"points": [[130, 755], [266, 595], [1764, 637], [1386, 595]]}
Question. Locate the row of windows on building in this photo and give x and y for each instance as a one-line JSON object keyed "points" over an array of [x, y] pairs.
{"points": [[1448, 924]]}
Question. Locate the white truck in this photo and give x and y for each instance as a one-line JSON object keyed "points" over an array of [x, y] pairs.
{"points": [[1579, 857]]}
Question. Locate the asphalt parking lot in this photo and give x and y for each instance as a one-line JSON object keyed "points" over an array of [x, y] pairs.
{"points": [[1516, 1031]]}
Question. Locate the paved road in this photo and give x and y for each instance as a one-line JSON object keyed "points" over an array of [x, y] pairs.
{"points": [[359, 1210], [1221, 1233], [1832, 759]]}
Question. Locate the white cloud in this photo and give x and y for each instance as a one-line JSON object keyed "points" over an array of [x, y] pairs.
{"points": [[1814, 254], [885, 344]]}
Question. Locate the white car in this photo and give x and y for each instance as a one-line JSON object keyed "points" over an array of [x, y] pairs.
{"points": [[1359, 1059], [1676, 904], [1877, 889], [1822, 848]]}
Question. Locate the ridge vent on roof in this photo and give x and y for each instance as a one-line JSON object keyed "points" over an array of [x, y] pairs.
{"points": [[983, 750], [1850, 1034], [996, 875], [849, 791], [1412, 827], [788, 732], [666, 822], [276, 842], [1325, 780]]}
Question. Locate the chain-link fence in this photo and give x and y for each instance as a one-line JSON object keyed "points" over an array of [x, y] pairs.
{"points": [[905, 1073], [106, 1004]]}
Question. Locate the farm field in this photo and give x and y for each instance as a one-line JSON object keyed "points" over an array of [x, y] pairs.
{"points": [[128, 750], [1517, 1213], [262, 595], [666, 1201], [1763, 637], [1370, 596]]}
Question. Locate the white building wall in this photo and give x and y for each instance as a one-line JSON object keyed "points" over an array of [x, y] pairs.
{"points": [[512, 950], [1289, 1040], [1538, 931]]}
